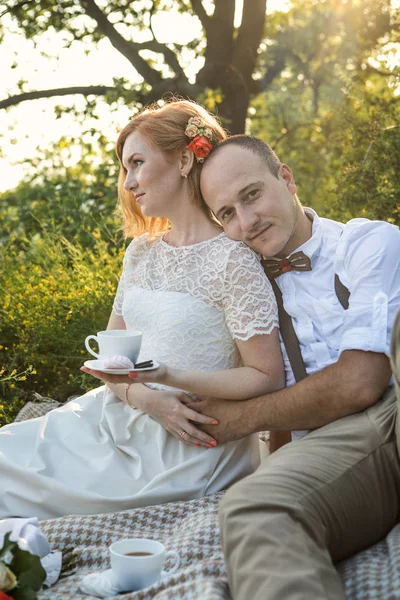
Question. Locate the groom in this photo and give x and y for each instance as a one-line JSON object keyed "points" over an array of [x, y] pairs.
{"points": [[336, 489]]}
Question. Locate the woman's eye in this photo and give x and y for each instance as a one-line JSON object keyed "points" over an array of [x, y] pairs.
{"points": [[137, 162]]}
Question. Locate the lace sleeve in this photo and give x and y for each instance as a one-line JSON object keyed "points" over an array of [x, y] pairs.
{"points": [[119, 297], [131, 253], [249, 301]]}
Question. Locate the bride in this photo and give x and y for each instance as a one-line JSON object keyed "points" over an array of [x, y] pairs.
{"points": [[203, 304]]}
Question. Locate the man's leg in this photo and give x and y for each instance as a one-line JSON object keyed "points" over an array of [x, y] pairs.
{"points": [[330, 494], [395, 363]]}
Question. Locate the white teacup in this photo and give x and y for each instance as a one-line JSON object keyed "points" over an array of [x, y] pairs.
{"points": [[138, 562], [116, 341]]}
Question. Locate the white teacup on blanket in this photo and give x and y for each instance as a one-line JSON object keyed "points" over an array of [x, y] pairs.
{"points": [[136, 563]]}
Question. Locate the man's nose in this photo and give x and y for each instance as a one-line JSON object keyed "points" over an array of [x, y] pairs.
{"points": [[247, 218], [130, 183]]}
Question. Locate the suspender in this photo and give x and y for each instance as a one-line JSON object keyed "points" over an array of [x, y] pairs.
{"points": [[289, 337], [342, 292], [288, 334]]}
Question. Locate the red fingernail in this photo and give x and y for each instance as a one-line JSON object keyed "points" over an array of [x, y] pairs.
{"points": [[214, 422], [197, 445], [132, 375], [213, 443]]}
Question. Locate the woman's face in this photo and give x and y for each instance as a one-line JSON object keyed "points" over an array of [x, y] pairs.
{"points": [[152, 176]]}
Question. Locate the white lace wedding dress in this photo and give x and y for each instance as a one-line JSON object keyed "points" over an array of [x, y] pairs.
{"points": [[96, 454]]}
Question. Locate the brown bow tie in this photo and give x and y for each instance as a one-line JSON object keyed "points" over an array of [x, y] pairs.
{"points": [[297, 262]]}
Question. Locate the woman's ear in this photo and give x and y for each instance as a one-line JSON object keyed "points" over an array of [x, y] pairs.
{"points": [[186, 162], [287, 175]]}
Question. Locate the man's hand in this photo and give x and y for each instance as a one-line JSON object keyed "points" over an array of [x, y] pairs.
{"points": [[349, 386], [234, 421]]}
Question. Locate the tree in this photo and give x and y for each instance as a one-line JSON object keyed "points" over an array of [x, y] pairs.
{"points": [[77, 203], [230, 53], [333, 112]]}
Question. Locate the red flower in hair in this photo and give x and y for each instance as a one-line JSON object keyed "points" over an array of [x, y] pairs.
{"points": [[201, 147]]}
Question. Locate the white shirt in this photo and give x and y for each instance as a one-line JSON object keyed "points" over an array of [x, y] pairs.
{"points": [[366, 257]]}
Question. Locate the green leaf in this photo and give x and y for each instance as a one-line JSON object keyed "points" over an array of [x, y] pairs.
{"points": [[28, 569], [8, 546], [23, 594]]}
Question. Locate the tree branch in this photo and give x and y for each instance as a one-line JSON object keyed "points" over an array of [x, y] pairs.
{"points": [[166, 86], [249, 37], [16, 6], [125, 47], [169, 55], [272, 72], [156, 46], [198, 9], [97, 90], [220, 33]]}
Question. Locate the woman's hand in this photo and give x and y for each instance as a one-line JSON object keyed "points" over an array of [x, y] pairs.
{"points": [[169, 409]]}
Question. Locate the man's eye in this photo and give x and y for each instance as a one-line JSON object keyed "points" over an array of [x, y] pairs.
{"points": [[253, 194], [227, 213]]}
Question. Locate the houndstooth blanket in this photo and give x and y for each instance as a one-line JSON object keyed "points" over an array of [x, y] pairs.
{"points": [[191, 528]]}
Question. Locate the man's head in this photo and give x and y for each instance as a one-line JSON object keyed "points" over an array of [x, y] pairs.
{"points": [[253, 195]]}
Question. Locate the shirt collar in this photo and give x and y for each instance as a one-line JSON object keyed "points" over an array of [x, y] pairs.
{"points": [[313, 245]]}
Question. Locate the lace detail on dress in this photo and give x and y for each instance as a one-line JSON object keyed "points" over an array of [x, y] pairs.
{"points": [[191, 302], [223, 273]]}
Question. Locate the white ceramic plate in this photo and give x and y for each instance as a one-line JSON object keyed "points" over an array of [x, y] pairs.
{"points": [[97, 365]]}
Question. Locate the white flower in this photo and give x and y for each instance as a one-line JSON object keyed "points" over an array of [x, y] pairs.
{"points": [[26, 533], [208, 133], [198, 121], [191, 131]]}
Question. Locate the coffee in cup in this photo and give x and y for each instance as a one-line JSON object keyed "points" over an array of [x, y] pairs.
{"points": [[112, 342], [138, 562]]}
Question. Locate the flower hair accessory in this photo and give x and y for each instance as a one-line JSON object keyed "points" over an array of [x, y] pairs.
{"points": [[200, 134]]}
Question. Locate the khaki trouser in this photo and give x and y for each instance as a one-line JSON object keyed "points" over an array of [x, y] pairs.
{"points": [[313, 502]]}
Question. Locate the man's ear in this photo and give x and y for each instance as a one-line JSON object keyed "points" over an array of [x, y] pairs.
{"points": [[287, 175], [186, 162]]}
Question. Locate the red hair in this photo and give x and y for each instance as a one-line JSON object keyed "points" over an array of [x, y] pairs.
{"points": [[165, 127]]}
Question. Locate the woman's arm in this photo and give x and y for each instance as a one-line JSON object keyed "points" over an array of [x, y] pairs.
{"points": [[263, 372], [116, 321], [167, 408], [119, 389]]}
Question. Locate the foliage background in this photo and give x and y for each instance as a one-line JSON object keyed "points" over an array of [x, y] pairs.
{"points": [[329, 104]]}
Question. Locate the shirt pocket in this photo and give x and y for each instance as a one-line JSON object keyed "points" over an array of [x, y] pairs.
{"points": [[331, 317]]}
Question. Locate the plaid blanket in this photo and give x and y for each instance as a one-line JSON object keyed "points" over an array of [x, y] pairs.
{"points": [[191, 528]]}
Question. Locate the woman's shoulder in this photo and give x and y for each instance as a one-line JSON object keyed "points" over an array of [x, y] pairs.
{"points": [[237, 251], [137, 248], [142, 243]]}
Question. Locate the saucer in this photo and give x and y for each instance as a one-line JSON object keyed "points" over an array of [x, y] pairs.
{"points": [[97, 365]]}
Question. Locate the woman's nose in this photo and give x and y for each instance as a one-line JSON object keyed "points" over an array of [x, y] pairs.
{"points": [[130, 183]]}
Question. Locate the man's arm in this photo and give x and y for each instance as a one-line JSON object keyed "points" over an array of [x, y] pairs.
{"points": [[349, 386]]}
